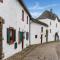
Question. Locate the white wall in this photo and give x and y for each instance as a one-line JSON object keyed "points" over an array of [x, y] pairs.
{"points": [[11, 11], [53, 28], [35, 29]]}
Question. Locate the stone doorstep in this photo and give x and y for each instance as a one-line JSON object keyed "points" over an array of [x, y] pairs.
{"points": [[23, 53]]}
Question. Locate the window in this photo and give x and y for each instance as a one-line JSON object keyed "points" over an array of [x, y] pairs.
{"points": [[41, 29], [1, 1], [27, 19], [50, 30], [22, 15], [11, 35], [50, 23], [56, 24], [35, 36], [27, 35]]}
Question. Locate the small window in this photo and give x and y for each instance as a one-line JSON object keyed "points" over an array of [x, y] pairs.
{"points": [[27, 19], [41, 29], [35, 36], [50, 30], [56, 24], [22, 15], [1, 1]]}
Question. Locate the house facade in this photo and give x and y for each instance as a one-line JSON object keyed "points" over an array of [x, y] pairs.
{"points": [[53, 22], [38, 32], [14, 22]]}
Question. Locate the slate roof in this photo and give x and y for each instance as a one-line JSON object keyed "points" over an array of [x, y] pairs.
{"points": [[24, 6], [49, 15], [39, 22]]}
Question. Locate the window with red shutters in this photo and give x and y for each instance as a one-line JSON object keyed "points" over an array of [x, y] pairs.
{"points": [[11, 35]]}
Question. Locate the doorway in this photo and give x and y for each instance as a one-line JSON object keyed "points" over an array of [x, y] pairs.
{"points": [[41, 38], [22, 40], [46, 35], [56, 37]]}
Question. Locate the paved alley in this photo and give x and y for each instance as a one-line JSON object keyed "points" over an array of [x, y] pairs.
{"points": [[50, 51]]}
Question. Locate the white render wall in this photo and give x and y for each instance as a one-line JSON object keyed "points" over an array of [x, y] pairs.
{"points": [[35, 29], [54, 29], [11, 11]]}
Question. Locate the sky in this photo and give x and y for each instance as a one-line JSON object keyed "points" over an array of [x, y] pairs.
{"points": [[37, 7]]}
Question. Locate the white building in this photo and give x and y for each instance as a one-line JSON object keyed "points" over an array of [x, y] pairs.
{"points": [[53, 22], [45, 28], [38, 32], [14, 20]]}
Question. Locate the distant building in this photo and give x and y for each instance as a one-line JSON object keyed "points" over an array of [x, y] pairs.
{"points": [[38, 32], [53, 22], [14, 27]]}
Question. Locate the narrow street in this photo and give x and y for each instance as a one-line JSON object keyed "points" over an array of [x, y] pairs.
{"points": [[50, 51]]}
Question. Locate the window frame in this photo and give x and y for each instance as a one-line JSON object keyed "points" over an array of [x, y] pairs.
{"points": [[12, 38]]}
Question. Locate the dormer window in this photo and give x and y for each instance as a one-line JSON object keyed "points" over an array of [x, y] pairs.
{"points": [[1, 1]]}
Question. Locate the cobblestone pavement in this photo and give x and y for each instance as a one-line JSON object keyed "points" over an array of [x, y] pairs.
{"points": [[50, 51]]}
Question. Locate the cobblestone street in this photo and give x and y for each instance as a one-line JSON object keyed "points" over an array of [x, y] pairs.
{"points": [[49, 51]]}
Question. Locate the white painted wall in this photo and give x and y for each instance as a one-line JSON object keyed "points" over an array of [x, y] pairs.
{"points": [[35, 29], [53, 28], [11, 11]]}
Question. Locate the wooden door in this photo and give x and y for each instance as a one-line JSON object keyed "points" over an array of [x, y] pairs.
{"points": [[41, 38], [46, 35], [22, 40]]}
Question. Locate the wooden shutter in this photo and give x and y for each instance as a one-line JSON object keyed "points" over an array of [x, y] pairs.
{"points": [[22, 15], [18, 36], [8, 36], [14, 35], [21, 36]]}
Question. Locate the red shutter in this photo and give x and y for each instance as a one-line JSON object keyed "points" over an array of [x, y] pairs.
{"points": [[18, 37], [12, 40]]}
